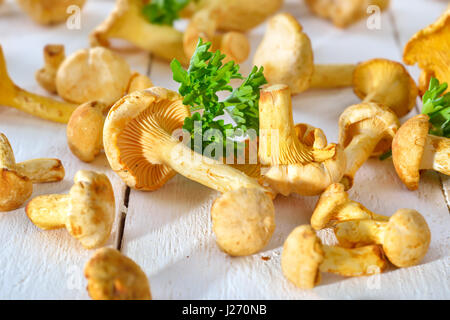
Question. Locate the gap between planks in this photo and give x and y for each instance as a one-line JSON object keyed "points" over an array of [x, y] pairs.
{"points": [[126, 198]]}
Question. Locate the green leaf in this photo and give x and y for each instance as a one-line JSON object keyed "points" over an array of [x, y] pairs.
{"points": [[436, 105], [207, 76], [164, 12]]}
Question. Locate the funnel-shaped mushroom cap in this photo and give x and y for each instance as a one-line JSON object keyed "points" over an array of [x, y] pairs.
{"points": [[92, 209], [430, 48], [286, 54], [406, 238], [385, 82], [375, 117], [243, 221], [137, 123], [85, 130], [331, 199], [15, 188], [408, 147], [93, 74], [112, 276], [301, 257]]}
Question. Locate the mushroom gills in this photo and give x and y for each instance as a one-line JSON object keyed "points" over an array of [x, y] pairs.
{"points": [[436, 154]]}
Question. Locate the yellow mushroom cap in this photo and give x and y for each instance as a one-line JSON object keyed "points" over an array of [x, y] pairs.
{"points": [[95, 74], [408, 147], [331, 199], [377, 116], [92, 209], [430, 48], [286, 53], [406, 238], [132, 126], [15, 188], [85, 130], [301, 257], [390, 80], [113, 276], [243, 221]]}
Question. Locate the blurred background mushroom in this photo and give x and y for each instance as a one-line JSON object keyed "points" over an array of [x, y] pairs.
{"points": [[17, 179], [405, 238], [87, 212], [287, 57], [48, 12], [304, 257], [113, 276]]}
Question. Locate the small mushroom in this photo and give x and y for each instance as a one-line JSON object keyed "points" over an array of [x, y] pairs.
{"points": [[413, 149], [385, 82], [87, 212], [95, 74], [343, 13], [39, 106], [53, 57], [141, 149], [49, 12], [127, 22], [429, 48], [16, 179], [334, 205], [405, 237], [85, 128], [304, 257], [288, 164], [113, 276], [234, 45], [365, 130], [287, 57]]}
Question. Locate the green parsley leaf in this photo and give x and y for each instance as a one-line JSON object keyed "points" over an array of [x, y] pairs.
{"points": [[164, 12], [436, 105], [200, 85]]}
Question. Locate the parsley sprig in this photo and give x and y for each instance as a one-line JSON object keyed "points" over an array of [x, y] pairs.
{"points": [[206, 76], [164, 12], [437, 106]]}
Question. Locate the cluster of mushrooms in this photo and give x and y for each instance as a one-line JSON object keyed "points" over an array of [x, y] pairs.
{"points": [[109, 107]]}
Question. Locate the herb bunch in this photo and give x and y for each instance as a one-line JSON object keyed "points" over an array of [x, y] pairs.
{"points": [[437, 106], [164, 12], [206, 76]]}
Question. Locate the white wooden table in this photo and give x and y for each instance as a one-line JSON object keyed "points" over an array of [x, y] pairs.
{"points": [[168, 232]]}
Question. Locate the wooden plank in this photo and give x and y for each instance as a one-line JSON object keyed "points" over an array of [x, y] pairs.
{"points": [[168, 232], [39, 264]]}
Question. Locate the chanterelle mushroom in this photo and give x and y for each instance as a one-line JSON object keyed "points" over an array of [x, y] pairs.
{"points": [[85, 128], [344, 12], [334, 205], [54, 55], [304, 257], [405, 237], [365, 130], [49, 11], [93, 74], [288, 164], [113, 276], [87, 212], [430, 48], [234, 45], [39, 106], [140, 147], [413, 149], [386, 82], [287, 57], [16, 179], [127, 22]]}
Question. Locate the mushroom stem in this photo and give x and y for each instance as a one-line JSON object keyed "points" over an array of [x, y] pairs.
{"points": [[332, 76], [41, 170], [353, 262], [7, 159], [49, 211], [353, 210], [278, 142], [361, 232], [357, 152], [39, 106], [53, 57], [436, 154]]}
